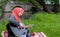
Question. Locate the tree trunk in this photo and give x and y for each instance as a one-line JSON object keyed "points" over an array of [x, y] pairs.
{"points": [[45, 7], [55, 7], [36, 5]]}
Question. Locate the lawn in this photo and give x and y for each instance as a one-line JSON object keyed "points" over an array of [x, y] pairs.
{"points": [[43, 22]]}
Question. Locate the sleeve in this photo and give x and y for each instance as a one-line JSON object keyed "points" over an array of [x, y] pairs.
{"points": [[21, 24], [13, 21]]}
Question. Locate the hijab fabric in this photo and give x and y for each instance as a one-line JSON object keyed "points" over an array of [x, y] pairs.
{"points": [[15, 13]]}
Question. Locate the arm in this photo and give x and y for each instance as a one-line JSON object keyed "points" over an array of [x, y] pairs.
{"points": [[14, 23], [28, 26]]}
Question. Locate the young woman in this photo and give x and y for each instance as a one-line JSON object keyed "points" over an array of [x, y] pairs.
{"points": [[15, 23]]}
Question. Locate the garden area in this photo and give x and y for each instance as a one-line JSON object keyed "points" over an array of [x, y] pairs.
{"points": [[43, 22], [43, 14]]}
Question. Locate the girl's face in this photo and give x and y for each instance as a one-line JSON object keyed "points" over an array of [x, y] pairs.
{"points": [[20, 13]]}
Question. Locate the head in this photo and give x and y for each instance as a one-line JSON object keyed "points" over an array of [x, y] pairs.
{"points": [[17, 12]]}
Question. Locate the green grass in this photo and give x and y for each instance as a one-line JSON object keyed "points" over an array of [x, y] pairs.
{"points": [[47, 23], [3, 26]]}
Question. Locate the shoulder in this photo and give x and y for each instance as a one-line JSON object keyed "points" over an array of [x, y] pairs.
{"points": [[11, 17]]}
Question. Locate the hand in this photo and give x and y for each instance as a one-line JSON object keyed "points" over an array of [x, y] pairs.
{"points": [[22, 27], [29, 26], [25, 27]]}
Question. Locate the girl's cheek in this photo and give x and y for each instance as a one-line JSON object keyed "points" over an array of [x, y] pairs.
{"points": [[19, 14]]}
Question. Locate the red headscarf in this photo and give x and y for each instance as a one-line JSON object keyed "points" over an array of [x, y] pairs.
{"points": [[15, 12]]}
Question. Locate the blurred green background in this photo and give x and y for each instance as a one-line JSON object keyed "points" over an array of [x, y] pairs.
{"points": [[46, 22]]}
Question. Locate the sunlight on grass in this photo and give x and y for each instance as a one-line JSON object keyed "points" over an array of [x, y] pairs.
{"points": [[47, 23]]}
